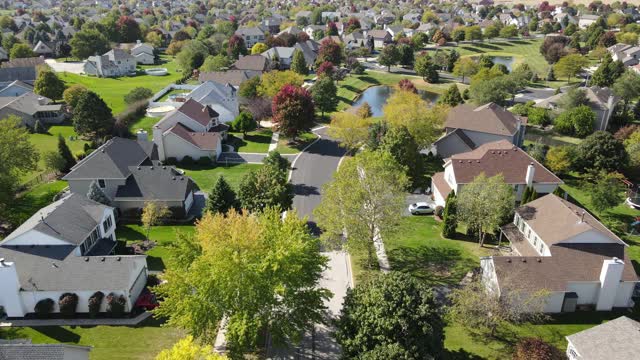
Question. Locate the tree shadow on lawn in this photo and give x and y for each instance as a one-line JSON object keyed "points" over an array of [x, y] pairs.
{"points": [[350, 88], [473, 49], [520, 42], [58, 333], [487, 46], [459, 354], [437, 265], [155, 263], [369, 79]]}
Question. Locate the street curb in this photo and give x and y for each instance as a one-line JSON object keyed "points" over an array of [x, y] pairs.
{"points": [[293, 163]]}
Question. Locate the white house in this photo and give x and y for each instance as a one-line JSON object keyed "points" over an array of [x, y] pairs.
{"points": [[66, 247], [251, 36], [495, 158], [560, 248], [115, 62], [586, 20], [191, 130], [220, 97], [618, 339], [143, 53]]}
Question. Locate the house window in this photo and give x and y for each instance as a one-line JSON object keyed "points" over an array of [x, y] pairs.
{"points": [[522, 227], [106, 225], [541, 248], [101, 183], [529, 234], [535, 240]]}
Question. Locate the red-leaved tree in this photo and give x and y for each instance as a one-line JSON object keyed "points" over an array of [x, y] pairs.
{"points": [[128, 29], [330, 51], [293, 110], [407, 85], [326, 69], [236, 47], [302, 37]]}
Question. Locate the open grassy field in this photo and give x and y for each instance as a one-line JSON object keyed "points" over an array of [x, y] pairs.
{"points": [[205, 177], [141, 342], [113, 90]]}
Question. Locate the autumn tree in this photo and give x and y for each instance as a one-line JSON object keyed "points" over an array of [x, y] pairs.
{"points": [[48, 85], [259, 271], [364, 111], [329, 51], [393, 309], [259, 48], [153, 214], [350, 129], [409, 110], [128, 29], [293, 110], [236, 47], [483, 203], [73, 93], [559, 159], [273, 81], [364, 199], [187, 349], [465, 67]]}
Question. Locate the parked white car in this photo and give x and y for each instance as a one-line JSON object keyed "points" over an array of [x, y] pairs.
{"points": [[421, 208]]}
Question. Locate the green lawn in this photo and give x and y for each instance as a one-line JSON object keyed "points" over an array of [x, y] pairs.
{"points": [[206, 177], [49, 142], [286, 146], [31, 201], [164, 235], [145, 123], [113, 90], [142, 342], [254, 142], [550, 138]]}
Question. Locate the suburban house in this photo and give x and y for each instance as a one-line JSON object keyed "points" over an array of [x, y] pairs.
{"points": [[280, 56], [191, 130], [586, 20], [115, 62], [143, 53], [16, 89], [24, 349], [252, 63], [617, 339], [310, 50], [251, 36], [629, 55], [468, 127], [233, 77], [10, 74], [602, 101], [31, 108], [495, 158], [357, 40], [560, 248], [44, 49], [129, 173], [221, 97], [30, 62], [66, 247], [380, 38]]}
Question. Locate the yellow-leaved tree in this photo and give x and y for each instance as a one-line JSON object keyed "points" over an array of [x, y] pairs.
{"points": [[351, 129], [187, 349]]}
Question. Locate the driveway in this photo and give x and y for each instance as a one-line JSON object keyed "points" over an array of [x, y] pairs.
{"points": [[414, 198], [74, 67], [249, 158], [312, 169]]}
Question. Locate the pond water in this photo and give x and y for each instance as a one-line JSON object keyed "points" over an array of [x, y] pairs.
{"points": [[377, 97], [504, 60]]}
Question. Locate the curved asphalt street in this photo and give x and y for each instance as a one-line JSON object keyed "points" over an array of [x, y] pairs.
{"points": [[312, 169]]}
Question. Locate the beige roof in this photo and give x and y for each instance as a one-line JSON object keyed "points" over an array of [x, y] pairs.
{"points": [[489, 118], [499, 157], [556, 220]]}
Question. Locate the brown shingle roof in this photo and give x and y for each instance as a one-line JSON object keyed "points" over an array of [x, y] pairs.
{"points": [[489, 118], [499, 157], [198, 112], [204, 141], [555, 220], [252, 62], [233, 77], [441, 184]]}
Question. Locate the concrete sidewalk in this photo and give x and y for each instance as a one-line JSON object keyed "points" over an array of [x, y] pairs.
{"points": [[77, 322]]}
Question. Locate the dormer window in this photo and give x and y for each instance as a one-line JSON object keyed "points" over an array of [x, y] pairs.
{"points": [[107, 223], [101, 183]]}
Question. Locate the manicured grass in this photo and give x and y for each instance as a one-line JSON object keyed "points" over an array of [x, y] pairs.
{"points": [[113, 90], [254, 142], [164, 235], [142, 342], [206, 177], [287, 146], [550, 138], [49, 142], [418, 248], [31, 201], [145, 123]]}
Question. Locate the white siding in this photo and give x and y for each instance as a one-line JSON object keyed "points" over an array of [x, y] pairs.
{"points": [[175, 146], [587, 291], [623, 296], [34, 237], [554, 302]]}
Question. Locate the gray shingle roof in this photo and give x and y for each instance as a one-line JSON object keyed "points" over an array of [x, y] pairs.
{"points": [[614, 340], [70, 219], [27, 74], [157, 183], [112, 160], [38, 351]]}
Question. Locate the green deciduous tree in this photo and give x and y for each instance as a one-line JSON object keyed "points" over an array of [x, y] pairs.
{"points": [[92, 117], [192, 55], [88, 42], [407, 109], [570, 65], [426, 68], [219, 62], [402, 146], [17, 155], [276, 161], [324, 94], [607, 192], [483, 203], [73, 93], [48, 85], [53, 161], [259, 271], [244, 122], [265, 187], [222, 198], [465, 67], [389, 56], [187, 349], [577, 121], [607, 72], [365, 198], [138, 94], [299, 64], [153, 214], [21, 51], [600, 151], [350, 129], [627, 87], [451, 97], [391, 310]]}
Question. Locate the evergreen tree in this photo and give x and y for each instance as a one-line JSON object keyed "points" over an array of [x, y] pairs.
{"points": [[451, 97], [525, 196], [38, 128], [66, 154], [449, 220], [277, 161], [92, 117], [222, 197], [96, 194], [299, 64]]}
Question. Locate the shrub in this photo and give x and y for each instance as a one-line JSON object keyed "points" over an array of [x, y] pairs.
{"points": [[116, 305], [44, 307], [68, 303], [138, 94], [205, 161], [186, 161], [38, 128], [171, 161], [152, 280], [95, 301], [538, 116], [536, 349], [439, 211]]}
